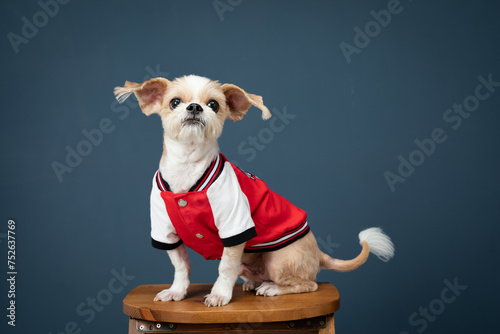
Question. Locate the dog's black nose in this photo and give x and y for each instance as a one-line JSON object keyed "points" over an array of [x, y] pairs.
{"points": [[194, 108]]}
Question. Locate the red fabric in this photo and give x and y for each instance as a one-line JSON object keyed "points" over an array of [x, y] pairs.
{"points": [[273, 216], [195, 217]]}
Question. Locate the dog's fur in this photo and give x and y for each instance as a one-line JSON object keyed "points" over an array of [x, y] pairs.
{"points": [[189, 146]]}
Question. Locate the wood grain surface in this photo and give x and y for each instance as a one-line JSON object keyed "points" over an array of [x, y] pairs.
{"points": [[245, 307]]}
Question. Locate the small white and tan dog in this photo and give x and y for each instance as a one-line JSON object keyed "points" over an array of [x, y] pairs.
{"points": [[201, 200]]}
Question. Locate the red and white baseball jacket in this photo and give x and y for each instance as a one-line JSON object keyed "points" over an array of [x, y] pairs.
{"points": [[226, 207]]}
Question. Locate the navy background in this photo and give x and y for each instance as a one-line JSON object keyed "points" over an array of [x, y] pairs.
{"points": [[352, 121]]}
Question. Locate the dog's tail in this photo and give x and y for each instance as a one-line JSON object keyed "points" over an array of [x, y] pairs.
{"points": [[372, 240]]}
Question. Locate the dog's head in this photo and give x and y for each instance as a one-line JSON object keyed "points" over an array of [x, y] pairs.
{"points": [[192, 108]]}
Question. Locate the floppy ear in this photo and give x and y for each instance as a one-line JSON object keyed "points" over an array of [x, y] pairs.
{"points": [[150, 94], [240, 101]]}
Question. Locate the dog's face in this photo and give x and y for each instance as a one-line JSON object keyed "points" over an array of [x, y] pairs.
{"points": [[192, 108]]}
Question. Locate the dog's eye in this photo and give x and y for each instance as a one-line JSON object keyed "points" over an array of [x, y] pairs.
{"points": [[174, 103], [214, 105]]}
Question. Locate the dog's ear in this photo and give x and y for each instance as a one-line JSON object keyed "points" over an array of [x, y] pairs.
{"points": [[150, 94], [240, 101]]}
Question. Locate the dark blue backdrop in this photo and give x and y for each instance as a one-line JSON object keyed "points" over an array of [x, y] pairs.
{"points": [[389, 117]]}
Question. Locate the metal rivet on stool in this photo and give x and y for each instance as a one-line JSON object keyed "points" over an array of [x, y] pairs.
{"points": [[182, 202], [158, 326], [171, 325], [200, 235]]}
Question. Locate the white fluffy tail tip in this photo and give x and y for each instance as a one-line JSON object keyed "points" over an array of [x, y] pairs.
{"points": [[380, 244]]}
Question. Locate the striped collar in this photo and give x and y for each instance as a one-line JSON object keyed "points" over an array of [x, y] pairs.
{"points": [[211, 174]]}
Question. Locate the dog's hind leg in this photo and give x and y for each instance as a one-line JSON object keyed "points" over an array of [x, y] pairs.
{"points": [[286, 285], [253, 272], [249, 284], [291, 269]]}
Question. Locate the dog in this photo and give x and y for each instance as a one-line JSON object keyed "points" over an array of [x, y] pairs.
{"points": [[201, 200]]}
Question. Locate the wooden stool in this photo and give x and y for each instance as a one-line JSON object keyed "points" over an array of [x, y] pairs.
{"points": [[296, 313]]}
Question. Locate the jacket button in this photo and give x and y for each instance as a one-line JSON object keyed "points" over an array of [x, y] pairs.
{"points": [[182, 202], [200, 235]]}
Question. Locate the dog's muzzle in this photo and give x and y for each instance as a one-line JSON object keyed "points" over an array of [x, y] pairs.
{"points": [[193, 121], [194, 110]]}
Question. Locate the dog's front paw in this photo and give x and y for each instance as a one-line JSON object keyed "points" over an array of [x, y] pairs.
{"points": [[170, 294], [268, 289], [216, 300]]}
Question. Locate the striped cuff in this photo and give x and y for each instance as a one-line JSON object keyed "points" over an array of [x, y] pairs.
{"points": [[164, 246], [240, 238]]}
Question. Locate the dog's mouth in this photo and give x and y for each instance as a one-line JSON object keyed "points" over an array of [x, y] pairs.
{"points": [[193, 121]]}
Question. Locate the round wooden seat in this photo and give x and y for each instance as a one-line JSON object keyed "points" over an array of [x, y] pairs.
{"points": [[245, 307]]}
